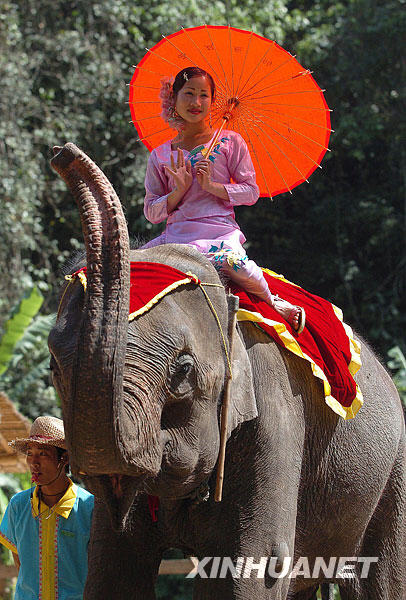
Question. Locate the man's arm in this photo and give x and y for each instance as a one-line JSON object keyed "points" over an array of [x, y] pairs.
{"points": [[16, 560]]}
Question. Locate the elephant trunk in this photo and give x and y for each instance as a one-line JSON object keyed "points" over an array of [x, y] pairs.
{"points": [[97, 428]]}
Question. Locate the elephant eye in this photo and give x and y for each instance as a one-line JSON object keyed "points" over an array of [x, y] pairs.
{"points": [[181, 379], [185, 368]]}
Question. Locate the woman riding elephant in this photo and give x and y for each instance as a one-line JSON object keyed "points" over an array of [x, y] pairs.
{"points": [[141, 404], [195, 194]]}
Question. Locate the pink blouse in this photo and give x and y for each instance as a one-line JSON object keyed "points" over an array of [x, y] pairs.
{"points": [[200, 217]]}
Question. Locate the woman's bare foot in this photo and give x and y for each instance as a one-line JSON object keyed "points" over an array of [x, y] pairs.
{"points": [[294, 315], [297, 319]]}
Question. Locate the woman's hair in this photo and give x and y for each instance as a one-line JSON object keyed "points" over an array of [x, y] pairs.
{"points": [[169, 91], [185, 74]]}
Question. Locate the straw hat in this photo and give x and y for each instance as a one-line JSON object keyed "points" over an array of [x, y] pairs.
{"points": [[45, 430]]}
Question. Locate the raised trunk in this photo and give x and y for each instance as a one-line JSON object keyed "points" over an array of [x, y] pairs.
{"points": [[96, 428]]}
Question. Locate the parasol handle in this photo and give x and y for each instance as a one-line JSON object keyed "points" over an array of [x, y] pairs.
{"points": [[233, 102]]}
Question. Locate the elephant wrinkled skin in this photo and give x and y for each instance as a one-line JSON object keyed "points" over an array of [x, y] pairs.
{"points": [[141, 410]]}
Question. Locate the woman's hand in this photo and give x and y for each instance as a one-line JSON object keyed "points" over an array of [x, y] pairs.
{"points": [[181, 173], [182, 177], [203, 175]]}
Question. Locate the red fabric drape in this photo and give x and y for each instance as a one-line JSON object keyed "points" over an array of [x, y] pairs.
{"points": [[324, 338]]}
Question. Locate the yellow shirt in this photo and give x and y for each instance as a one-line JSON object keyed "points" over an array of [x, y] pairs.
{"points": [[47, 537], [51, 543]]}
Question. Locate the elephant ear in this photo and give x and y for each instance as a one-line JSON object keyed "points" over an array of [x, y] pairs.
{"points": [[243, 405]]}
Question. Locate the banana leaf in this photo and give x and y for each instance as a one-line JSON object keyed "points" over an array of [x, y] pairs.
{"points": [[17, 324]]}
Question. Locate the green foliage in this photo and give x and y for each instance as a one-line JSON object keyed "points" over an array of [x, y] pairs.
{"points": [[336, 593], [397, 364], [24, 358], [64, 68], [16, 325], [5, 554], [11, 484], [26, 381]]}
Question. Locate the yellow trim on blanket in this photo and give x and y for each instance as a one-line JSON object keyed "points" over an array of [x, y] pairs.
{"points": [[353, 367], [292, 345], [355, 347], [159, 296]]}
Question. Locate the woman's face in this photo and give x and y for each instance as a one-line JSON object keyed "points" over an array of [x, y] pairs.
{"points": [[193, 101]]}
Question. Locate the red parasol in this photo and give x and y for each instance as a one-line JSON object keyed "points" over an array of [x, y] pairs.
{"points": [[263, 93]]}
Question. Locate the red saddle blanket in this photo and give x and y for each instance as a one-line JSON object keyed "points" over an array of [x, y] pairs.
{"points": [[326, 342]]}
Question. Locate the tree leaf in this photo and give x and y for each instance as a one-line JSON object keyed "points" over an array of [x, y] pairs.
{"points": [[17, 324]]}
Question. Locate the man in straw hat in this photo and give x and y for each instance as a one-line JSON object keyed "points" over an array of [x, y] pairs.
{"points": [[48, 526]]}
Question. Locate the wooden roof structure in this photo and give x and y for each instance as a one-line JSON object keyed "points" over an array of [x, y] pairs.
{"points": [[12, 425]]}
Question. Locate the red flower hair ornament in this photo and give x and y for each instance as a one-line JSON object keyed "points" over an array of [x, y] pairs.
{"points": [[169, 112]]}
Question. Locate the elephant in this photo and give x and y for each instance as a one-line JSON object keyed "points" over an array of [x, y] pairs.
{"points": [[141, 402]]}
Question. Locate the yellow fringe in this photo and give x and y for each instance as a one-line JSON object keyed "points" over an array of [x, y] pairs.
{"points": [[353, 367], [355, 347], [158, 297], [292, 345], [82, 279]]}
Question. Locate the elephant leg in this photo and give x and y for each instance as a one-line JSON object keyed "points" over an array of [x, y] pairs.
{"points": [[385, 539], [121, 565], [247, 571]]}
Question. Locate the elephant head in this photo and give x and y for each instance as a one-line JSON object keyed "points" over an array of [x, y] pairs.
{"points": [[140, 400]]}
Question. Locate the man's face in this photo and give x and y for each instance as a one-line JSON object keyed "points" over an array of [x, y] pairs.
{"points": [[43, 462]]}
